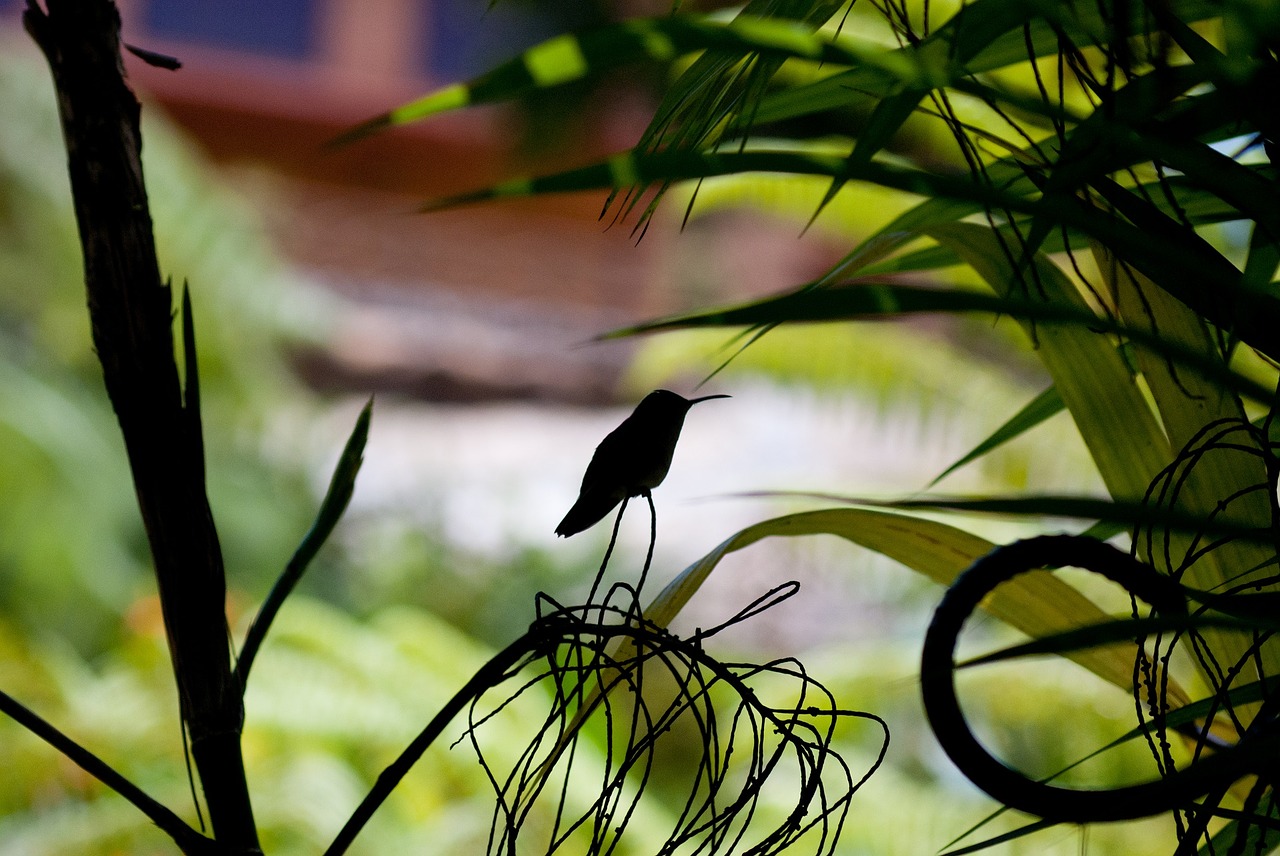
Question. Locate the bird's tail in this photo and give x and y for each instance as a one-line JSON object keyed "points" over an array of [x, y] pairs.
{"points": [[589, 510]]}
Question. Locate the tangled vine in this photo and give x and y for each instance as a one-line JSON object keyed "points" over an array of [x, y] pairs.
{"points": [[615, 698], [641, 693], [1243, 702]]}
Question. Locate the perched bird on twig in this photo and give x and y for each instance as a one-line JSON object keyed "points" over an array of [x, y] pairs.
{"points": [[632, 460]]}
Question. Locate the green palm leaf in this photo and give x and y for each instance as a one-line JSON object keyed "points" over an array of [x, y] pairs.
{"points": [[1036, 603]]}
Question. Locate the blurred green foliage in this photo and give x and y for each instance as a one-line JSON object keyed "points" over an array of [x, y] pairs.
{"points": [[73, 558], [335, 697]]}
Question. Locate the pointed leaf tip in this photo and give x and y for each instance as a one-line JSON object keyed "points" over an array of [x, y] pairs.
{"points": [[442, 100], [359, 132]]}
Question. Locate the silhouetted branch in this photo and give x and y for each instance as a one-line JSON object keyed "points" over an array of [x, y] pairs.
{"points": [[637, 682], [130, 309], [489, 675], [191, 842]]}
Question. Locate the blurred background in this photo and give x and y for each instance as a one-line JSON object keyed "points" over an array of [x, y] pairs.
{"points": [[316, 285]]}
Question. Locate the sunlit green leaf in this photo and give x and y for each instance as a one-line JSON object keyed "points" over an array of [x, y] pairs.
{"points": [[1003, 838], [1120, 630], [1036, 603], [1091, 377], [1126, 514], [1255, 837], [1040, 408], [865, 301], [1187, 403], [571, 57]]}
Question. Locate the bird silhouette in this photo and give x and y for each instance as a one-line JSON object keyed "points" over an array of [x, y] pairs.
{"points": [[632, 460]]}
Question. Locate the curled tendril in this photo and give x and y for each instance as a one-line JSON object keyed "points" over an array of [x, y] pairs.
{"points": [[1254, 504], [1241, 447], [1206, 778], [602, 700], [618, 697]]}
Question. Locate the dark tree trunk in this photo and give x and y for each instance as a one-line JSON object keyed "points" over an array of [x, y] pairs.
{"points": [[131, 312]]}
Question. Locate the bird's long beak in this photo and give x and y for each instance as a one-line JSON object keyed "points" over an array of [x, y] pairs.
{"points": [[694, 401]]}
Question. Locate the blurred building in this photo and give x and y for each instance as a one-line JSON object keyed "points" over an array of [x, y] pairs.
{"points": [[482, 302]]}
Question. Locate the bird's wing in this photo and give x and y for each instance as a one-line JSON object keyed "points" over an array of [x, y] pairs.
{"points": [[613, 450]]}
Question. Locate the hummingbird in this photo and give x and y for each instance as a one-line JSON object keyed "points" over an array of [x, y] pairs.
{"points": [[632, 460]]}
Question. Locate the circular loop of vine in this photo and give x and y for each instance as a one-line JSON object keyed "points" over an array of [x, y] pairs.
{"points": [[1208, 775]]}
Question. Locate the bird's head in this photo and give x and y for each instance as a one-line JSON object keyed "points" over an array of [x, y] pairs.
{"points": [[664, 401]]}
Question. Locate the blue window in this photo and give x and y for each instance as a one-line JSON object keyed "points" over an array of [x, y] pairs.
{"points": [[467, 37], [283, 28]]}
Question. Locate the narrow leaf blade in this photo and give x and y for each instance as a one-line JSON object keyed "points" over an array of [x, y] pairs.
{"points": [[1046, 404], [336, 498]]}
